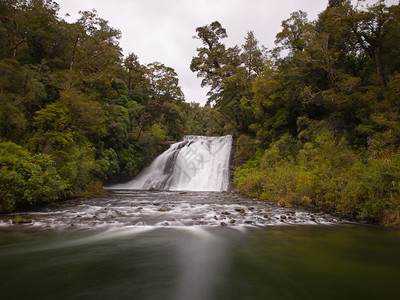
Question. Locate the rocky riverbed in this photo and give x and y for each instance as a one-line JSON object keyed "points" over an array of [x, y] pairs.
{"points": [[151, 208]]}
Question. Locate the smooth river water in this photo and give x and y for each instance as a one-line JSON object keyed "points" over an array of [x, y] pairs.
{"points": [[192, 246]]}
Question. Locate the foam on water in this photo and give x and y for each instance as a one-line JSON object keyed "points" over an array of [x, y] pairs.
{"points": [[166, 209]]}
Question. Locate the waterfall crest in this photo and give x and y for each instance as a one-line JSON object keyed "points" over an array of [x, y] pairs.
{"points": [[197, 163]]}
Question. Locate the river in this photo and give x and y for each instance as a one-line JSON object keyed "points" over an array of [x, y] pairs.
{"points": [[192, 246]]}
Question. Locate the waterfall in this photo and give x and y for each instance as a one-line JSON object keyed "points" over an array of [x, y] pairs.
{"points": [[197, 163]]}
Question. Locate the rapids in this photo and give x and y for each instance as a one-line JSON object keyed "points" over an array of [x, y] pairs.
{"points": [[176, 233]]}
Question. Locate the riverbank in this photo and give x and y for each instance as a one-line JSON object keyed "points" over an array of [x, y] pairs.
{"points": [[325, 173]]}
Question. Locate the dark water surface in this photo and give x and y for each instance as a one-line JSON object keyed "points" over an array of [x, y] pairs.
{"points": [[183, 251]]}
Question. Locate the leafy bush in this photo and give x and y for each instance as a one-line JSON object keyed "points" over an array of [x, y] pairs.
{"points": [[327, 174], [26, 179]]}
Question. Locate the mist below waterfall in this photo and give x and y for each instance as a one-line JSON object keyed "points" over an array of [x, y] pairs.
{"points": [[197, 163]]}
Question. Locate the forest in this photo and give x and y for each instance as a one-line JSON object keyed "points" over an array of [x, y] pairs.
{"points": [[315, 119]]}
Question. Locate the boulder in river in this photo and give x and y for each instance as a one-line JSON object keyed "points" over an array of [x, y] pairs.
{"points": [[163, 208], [19, 220]]}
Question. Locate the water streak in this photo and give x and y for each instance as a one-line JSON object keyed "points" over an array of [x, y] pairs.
{"points": [[197, 163]]}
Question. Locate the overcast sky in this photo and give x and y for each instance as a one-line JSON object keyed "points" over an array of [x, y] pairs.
{"points": [[162, 30]]}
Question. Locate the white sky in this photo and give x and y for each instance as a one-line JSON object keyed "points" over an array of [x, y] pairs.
{"points": [[162, 30]]}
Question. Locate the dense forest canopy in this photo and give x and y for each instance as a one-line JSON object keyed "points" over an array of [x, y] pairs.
{"points": [[73, 110], [316, 119]]}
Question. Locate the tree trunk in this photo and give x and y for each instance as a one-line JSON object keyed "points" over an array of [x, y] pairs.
{"points": [[379, 71], [71, 65]]}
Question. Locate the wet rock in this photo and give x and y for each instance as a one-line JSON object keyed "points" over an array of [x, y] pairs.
{"points": [[248, 222], [266, 216], [156, 203], [163, 208], [250, 208], [232, 221], [21, 221], [240, 209], [225, 213], [283, 217], [312, 218], [223, 224], [182, 193]]}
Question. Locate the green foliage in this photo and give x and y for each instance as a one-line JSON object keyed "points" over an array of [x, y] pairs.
{"points": [[327, 174], [26, 179], [319, 125], [109, 164], [85, 113]]}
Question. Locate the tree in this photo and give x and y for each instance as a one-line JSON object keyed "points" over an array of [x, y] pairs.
{"points": [[370, 27], [11, 27], [164, 83], [137, 83], [95, 43], [210, 60], [293, 34], [252, 56]]}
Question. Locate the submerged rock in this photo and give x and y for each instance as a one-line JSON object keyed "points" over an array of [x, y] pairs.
{"points": [[163, 208]]}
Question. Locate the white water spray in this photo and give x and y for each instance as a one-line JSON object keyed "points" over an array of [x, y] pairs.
{"points": [[197, 163]]}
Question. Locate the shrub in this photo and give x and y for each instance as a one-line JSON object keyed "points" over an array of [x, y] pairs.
{"points": [[327, 174], [26, 179]]}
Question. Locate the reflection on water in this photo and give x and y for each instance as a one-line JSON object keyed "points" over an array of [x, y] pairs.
{"points": [[343, 261]]}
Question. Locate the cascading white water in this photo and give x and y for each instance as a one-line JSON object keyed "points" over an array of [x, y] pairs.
{"points": [[197, 163]]}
